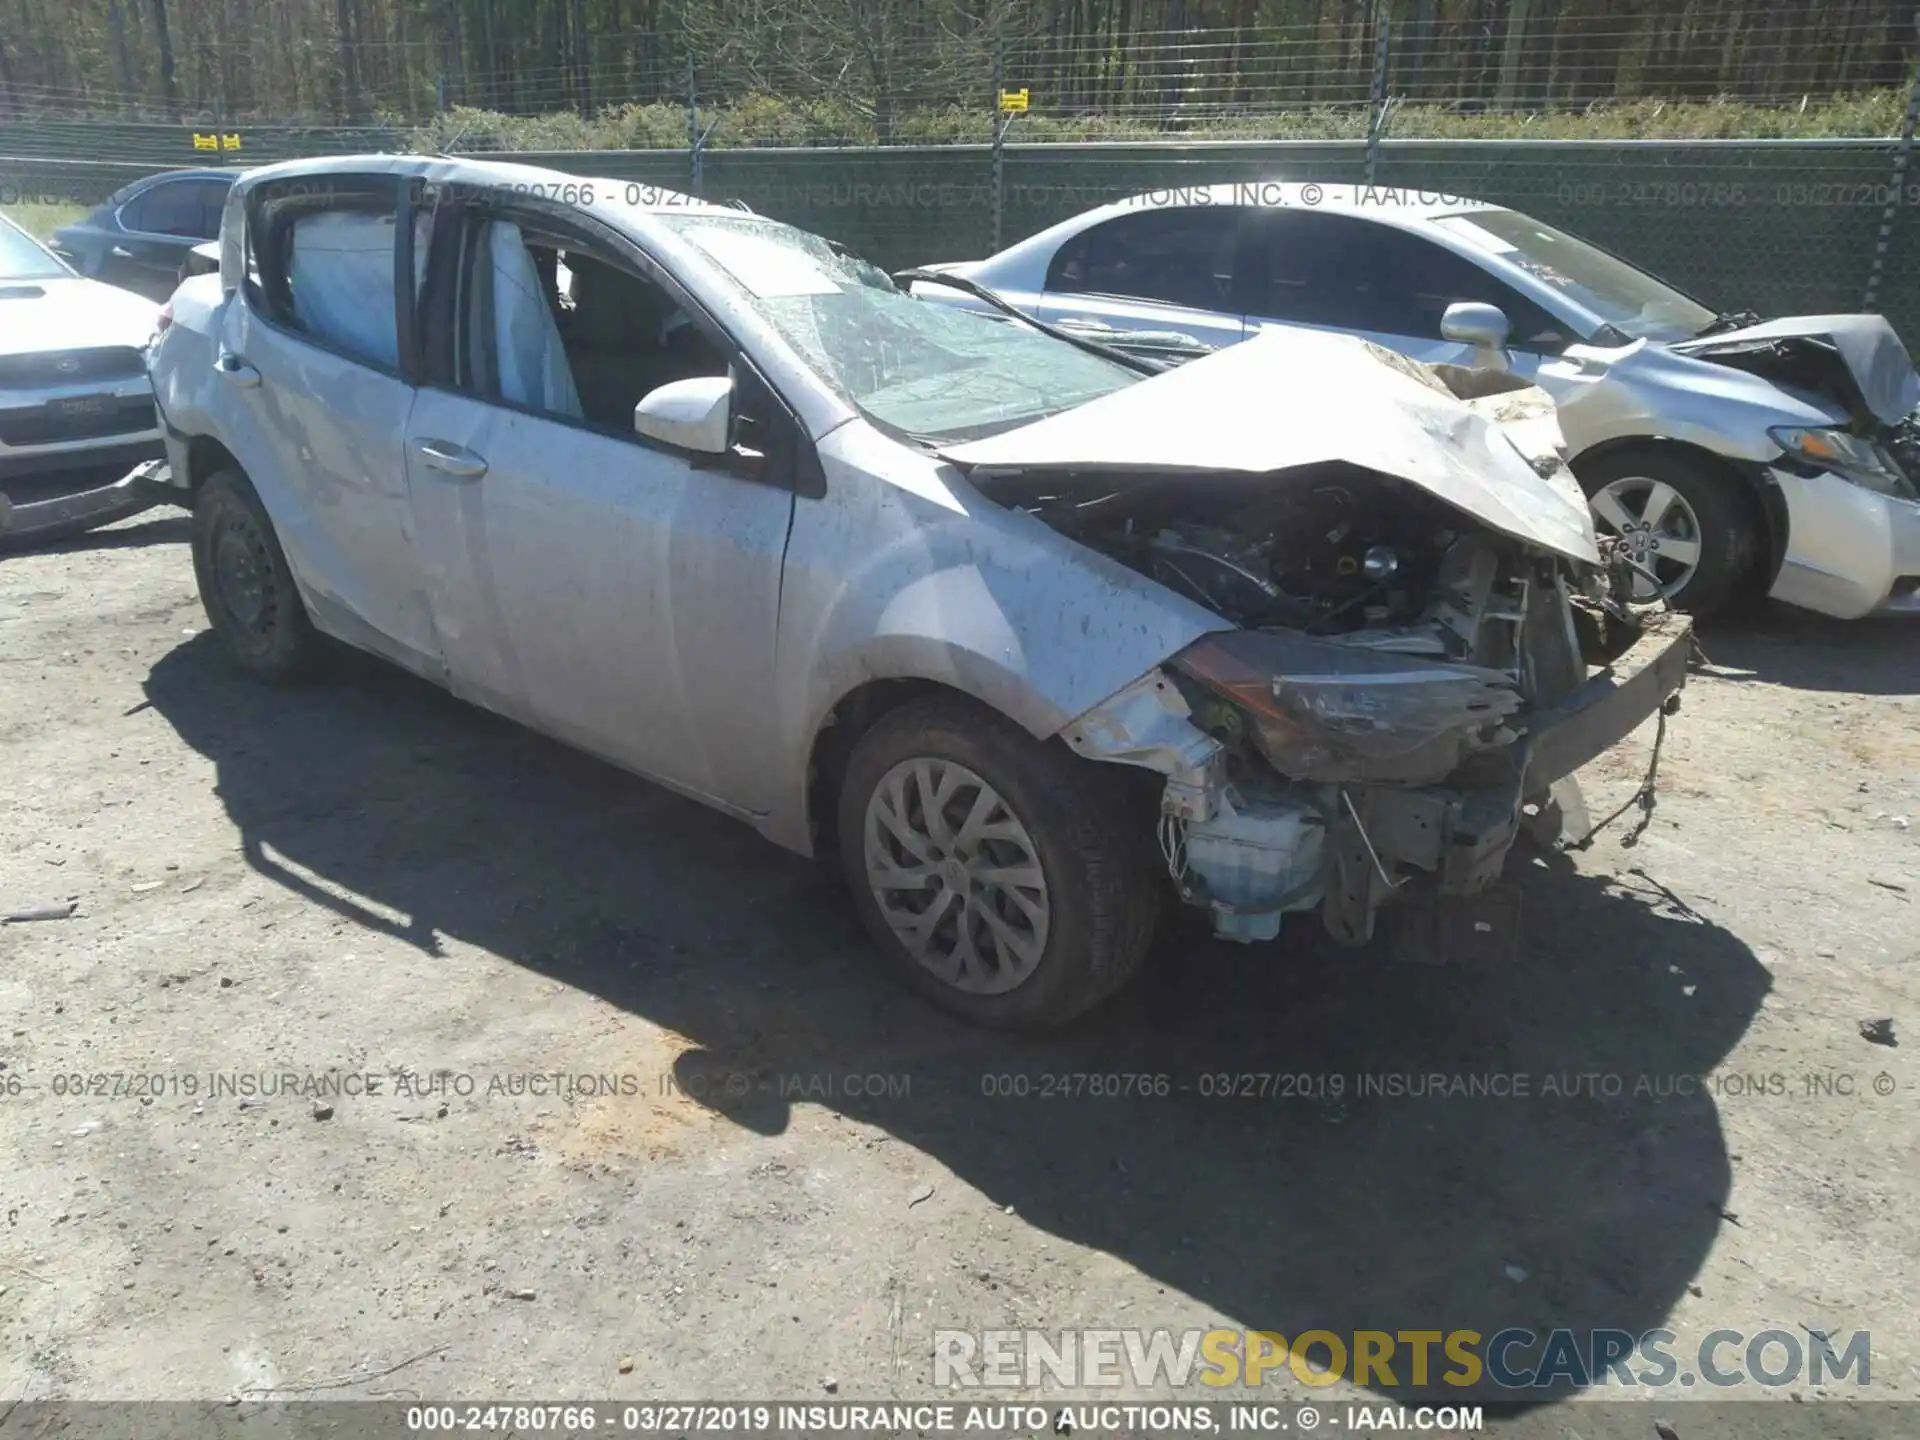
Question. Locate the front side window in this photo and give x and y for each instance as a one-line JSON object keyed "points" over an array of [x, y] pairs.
{"points": [[1354, 274], [24, 258], [931, 371], [1178, 256], [556, 324], [1624, 296]]}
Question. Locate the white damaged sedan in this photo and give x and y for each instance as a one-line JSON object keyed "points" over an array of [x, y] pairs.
{"points": [[1033, 637]]}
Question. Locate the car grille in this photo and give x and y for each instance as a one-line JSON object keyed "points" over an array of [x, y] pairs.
{"points": [[87, 418], [71, 367]]}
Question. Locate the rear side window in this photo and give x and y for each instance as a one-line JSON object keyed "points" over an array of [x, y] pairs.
{"points": [[322, 261], [187, 208], [1341, 271], [1180, 256]]}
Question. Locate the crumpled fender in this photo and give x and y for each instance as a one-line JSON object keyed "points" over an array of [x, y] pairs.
{"points": [[960, 592]]}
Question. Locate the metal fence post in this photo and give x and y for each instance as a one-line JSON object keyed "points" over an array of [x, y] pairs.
{"points": [[1000, 119], [1902, 156], [693, 130], [1377, 96]]}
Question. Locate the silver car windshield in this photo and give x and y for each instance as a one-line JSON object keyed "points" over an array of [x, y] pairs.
{"points": [[1625, 297], [23, 258], [935, 372]]}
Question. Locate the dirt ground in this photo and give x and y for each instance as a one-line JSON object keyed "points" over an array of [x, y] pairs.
{"points": [[800, 1174]]}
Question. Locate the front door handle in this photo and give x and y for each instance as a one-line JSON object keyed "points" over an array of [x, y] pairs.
{"points": [[450, 459], [236, 371]]}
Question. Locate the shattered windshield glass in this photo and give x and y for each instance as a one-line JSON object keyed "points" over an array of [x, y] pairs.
{"points": [[1624, 296], [934, 371]]}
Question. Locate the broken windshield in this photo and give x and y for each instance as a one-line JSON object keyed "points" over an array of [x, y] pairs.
{"points": [[936, 372], [1607, 287]]}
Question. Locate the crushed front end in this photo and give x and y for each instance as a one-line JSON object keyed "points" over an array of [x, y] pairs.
{"points": [[1405, 687]]}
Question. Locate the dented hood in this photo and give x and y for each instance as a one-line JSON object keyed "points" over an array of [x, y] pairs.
{"points": [[1293, 398], [1865, 345]]}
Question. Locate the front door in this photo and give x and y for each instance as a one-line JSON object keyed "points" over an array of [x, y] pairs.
{"points": [[607, 589], [1364, 277]]}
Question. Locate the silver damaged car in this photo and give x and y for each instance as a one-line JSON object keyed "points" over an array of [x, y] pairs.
{"points": [[1033, 638]]}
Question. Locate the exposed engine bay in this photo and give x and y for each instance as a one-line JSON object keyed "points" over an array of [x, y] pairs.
{"points": [[1363, 560], [1370, 731]]}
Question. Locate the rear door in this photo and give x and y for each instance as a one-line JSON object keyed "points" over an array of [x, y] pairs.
{"points": [[606, 588], [314, 366], [1324, 271], [1159, 269]]}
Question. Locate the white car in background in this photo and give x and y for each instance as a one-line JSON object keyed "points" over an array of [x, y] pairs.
{"points": [[76, 407], [1728, 455]]}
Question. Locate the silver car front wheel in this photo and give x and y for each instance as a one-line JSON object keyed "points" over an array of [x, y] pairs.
{"points": [[1001, 876], [956, 876], [1659, 528]]}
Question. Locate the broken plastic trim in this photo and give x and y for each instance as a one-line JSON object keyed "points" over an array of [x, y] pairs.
{"points": [[1147, 725]]}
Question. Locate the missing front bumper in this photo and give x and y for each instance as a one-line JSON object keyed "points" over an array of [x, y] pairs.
{"points": [[1453, 839]]}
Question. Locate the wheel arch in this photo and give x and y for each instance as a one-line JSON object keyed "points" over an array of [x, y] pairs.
{"points": [[206, 455], [840, 729], [1756, 485]]}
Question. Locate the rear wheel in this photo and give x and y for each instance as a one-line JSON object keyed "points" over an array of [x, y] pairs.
{"points": [[1000, 876], [248, 591], [1687, 524]]}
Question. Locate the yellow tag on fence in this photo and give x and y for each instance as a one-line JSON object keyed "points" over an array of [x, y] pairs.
{"points": [[1013, 101]]}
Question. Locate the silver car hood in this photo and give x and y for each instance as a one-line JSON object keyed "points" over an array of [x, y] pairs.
{"points": [[1288, 399], [65, 312], [1865, 344]]}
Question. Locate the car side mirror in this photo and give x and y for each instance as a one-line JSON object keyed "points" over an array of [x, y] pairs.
{"points": [[689, 414], [1483, 326]]}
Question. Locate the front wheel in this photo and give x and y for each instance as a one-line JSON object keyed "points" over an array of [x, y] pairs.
{"points": [[1001, 877], [1691, 531], [249, 594]]}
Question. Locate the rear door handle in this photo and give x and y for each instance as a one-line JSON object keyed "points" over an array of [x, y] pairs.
{"points": [[236, 371], [450, 459]]}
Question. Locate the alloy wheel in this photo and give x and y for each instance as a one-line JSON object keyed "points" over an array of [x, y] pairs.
{"points": [[1659, 528]]}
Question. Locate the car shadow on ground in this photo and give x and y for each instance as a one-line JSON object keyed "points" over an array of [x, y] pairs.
{"points": [[1311, 1206], [1777, 644]]}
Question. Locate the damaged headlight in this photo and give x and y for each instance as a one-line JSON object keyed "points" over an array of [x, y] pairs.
{"points": [[1851, 458], [1324, 711]]}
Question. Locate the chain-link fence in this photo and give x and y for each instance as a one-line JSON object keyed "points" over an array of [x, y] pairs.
{"points": [[924, 138], [847, 72]]}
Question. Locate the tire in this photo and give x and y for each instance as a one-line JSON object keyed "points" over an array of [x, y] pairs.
{"points": [[1098, 887], [1712, 504], [245, 586]]}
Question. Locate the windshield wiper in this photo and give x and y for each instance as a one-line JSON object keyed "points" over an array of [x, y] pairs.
{"points": [[1732, 320], [980, 292]]}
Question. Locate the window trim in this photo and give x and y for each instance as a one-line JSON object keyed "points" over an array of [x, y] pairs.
{"points": [[463, 211], [258, 308]]}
